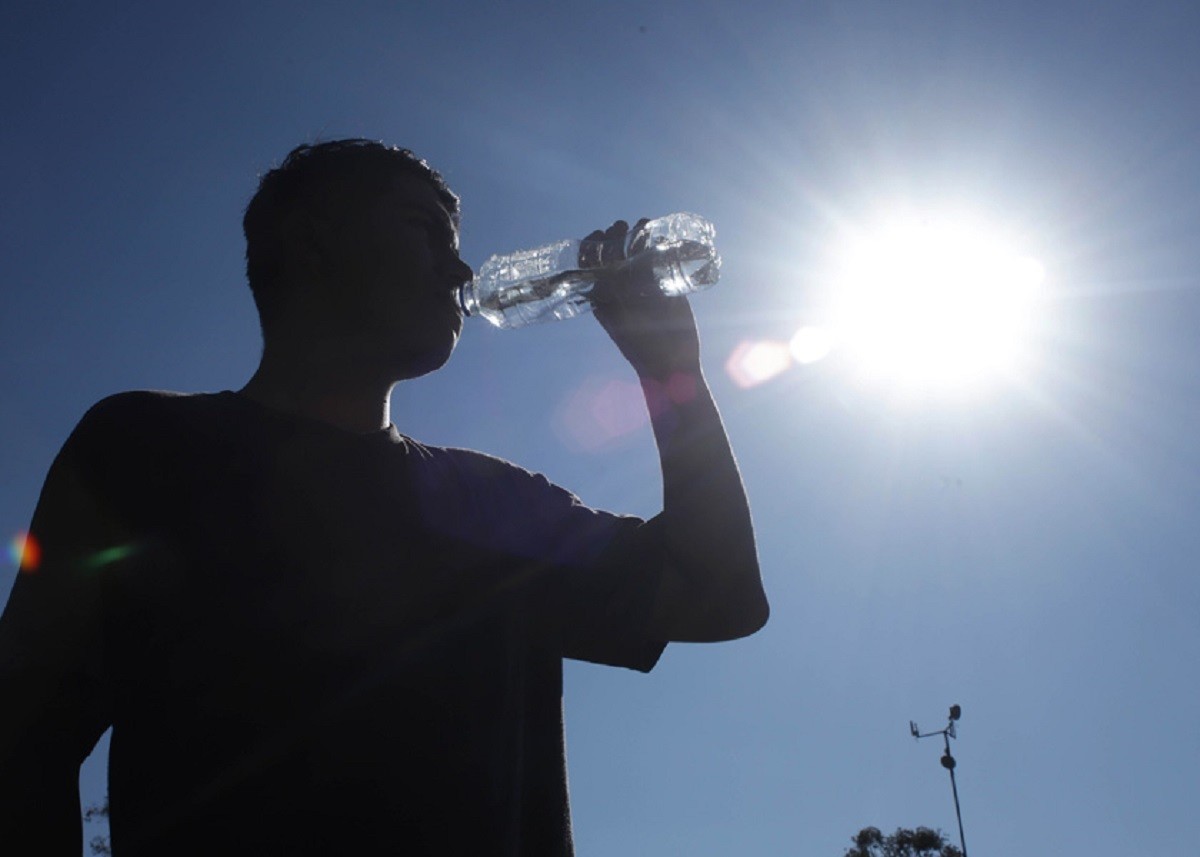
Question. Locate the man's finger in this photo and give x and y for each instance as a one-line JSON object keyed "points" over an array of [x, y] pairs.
{"points": [[617, 230], [639, 237]]}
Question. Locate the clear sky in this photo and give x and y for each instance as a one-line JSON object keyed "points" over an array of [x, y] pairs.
{"points": [[1024, 546]]}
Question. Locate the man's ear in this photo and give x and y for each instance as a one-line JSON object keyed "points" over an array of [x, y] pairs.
{"points": [[314, 243]]}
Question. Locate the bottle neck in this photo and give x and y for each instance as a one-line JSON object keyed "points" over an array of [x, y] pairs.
{"points": [[468, 301]]}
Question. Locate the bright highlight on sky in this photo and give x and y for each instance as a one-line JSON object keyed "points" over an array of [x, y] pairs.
{"points": [[921, 301], [929, 302]]}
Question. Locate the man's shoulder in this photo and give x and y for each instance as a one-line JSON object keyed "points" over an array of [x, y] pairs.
{"points": [[123, 412], [473, 465], [142, 422], [137, 401]]}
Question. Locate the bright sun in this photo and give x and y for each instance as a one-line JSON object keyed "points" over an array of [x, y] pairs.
{"points": [[930, 302]]}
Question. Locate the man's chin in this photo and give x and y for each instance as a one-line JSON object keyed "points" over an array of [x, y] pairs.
{"points": [[412, 364]]}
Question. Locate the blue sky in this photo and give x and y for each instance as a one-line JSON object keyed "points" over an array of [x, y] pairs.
{"points": [[1026, 549]]}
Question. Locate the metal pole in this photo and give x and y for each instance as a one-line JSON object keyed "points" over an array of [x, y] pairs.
{"points": [[948, 763], [962, 840]]}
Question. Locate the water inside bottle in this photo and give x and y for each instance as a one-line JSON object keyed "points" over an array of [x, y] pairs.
{"points": [[540, 291], [685, 266], [548, 283]]}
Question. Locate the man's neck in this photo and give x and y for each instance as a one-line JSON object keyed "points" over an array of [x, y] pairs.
{"points": [[327, 390]]}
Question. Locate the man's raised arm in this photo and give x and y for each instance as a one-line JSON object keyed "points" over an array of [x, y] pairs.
{"points": [[711, 587]]}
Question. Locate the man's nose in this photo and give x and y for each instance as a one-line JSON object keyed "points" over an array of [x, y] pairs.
{"points": [[463, 271]]}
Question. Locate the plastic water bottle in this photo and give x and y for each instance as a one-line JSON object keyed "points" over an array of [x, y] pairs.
{"points": [[673, 255]]}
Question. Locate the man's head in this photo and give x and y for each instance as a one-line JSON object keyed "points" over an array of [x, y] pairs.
{"points": [[362, 231]]}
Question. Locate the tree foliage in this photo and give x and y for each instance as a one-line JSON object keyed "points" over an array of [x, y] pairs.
{"points": [[100, 845], [922, 842]]}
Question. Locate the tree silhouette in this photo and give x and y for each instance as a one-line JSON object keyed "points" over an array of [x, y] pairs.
{"points": [[100, 845], [921, 842]]}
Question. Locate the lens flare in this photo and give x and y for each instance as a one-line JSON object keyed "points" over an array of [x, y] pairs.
{"points": [[681, 387], [753, 363], [109, 555], [599, 413], [25, 553]]}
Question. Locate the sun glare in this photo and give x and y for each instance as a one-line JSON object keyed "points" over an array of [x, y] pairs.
{"points": [[930, 303]]}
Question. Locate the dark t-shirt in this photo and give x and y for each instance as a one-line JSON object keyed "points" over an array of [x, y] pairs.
{"points": [[309, 641]]}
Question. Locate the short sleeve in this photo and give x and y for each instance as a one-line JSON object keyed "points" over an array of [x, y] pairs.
{"points": [[598, 572], [605, 606]]}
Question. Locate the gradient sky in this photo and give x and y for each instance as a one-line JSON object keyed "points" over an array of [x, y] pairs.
{"points": [[1026, 549]]}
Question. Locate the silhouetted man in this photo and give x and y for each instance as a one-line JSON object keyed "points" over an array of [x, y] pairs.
{"points": [[312, 634]]}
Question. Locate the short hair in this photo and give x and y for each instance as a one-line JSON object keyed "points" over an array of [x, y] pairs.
{"points": [[331, 182]]}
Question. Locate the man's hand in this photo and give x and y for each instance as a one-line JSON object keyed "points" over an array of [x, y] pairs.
{"points": [[656, 334]]}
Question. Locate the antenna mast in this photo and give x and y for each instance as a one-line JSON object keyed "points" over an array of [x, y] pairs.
{"points": [[947, 762]]}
